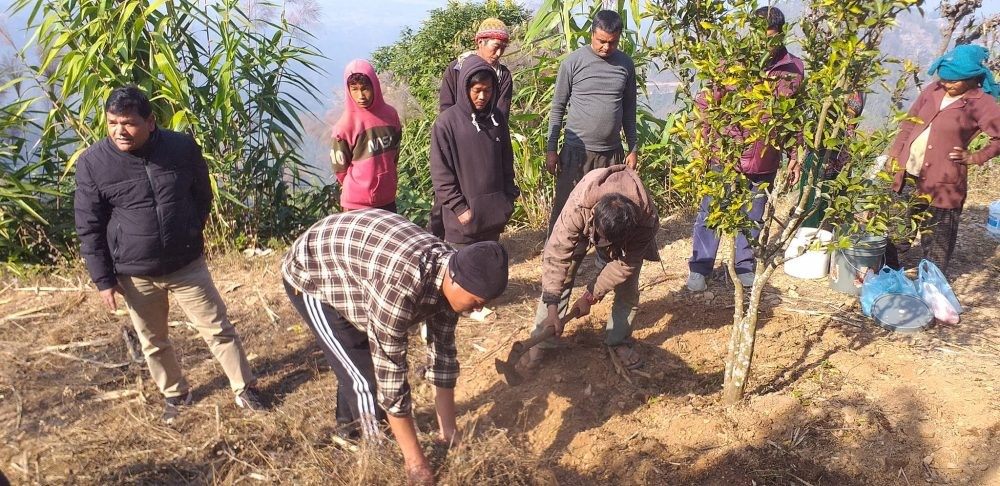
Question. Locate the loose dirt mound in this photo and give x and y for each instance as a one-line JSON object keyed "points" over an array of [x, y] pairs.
{"points": [[833, 399]]}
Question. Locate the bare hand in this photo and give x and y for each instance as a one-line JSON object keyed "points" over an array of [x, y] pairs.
{"points": [[420, 475], [108, 296], [466, 217], [552, 162], [960, 156], [582, 306], [794, 172], [552, 320], [632, 160]]}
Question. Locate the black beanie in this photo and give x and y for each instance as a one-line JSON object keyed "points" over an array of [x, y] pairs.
{"points": [[481, 269]]}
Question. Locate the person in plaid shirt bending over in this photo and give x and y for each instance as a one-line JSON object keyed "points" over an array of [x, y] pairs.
{"points": [[360, 280]]}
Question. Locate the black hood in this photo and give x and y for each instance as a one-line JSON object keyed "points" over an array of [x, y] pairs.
{"points": [[472, 65]]}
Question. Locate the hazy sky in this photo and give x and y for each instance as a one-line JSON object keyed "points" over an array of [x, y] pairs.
{"points": [[348, 29]]}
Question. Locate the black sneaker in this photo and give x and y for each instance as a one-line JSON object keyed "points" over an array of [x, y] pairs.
{"points": [[249, 400], [172, 406]]}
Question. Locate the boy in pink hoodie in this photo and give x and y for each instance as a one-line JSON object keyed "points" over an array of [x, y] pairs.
{"points": [[366, 143]]}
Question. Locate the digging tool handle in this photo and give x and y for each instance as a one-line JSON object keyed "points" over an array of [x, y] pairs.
{"points": [[521, 347], [507, 368]]}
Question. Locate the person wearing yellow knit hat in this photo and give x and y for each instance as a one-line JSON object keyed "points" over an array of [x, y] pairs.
{"points": [[492, 38]]}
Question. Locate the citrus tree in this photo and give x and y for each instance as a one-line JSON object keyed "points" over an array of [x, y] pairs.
{"points": [[720, 49]]}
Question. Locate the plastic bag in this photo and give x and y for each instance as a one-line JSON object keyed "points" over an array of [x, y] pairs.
{"points": [[886, 281], [942, 309], [929, 272]]}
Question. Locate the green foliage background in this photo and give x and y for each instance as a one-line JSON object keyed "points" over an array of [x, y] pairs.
{"points": [[211, 71], [227, 80], [417, 61], [538, 46]]}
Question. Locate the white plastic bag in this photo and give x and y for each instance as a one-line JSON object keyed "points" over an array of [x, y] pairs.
{"points": [[942, 309], [931, 274]]}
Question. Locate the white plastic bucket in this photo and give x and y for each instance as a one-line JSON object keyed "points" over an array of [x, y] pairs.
{"points": [[800, 261], [993, 220]]}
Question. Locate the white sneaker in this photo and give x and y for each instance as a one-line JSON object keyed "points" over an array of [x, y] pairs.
{"points": [[481, 315], [746, 279], [696, 282]]}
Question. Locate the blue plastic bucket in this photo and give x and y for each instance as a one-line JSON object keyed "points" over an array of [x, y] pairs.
{"points": [[849, 266]]}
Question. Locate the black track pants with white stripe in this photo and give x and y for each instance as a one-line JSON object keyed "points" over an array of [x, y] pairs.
{"points": [[347, 351]]}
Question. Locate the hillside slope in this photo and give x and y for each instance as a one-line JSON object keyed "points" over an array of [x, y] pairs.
{"points": [[833, 398]]}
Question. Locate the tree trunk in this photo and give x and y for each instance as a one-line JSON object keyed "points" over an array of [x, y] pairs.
{"points": [[743, 334], [741, 345], [946, 33]]}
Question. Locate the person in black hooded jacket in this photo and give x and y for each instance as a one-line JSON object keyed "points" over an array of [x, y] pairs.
{"points": [[142, 198], [472, 162]]}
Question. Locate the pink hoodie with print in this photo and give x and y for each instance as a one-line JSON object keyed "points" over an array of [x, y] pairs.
{"points": [[366, 146]]}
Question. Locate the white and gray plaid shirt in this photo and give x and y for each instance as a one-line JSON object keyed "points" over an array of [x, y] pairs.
{"points": [[383, 274]]}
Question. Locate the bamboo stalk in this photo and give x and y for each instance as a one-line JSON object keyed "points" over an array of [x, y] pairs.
{"points": [[343, 443], [89, 361], [267, 309], [73, 305], [618, 365], [18, 314], [29, 316], [79, 344], [51, 289], [115, 395]]}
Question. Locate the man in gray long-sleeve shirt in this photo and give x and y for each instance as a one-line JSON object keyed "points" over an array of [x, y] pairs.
{"points": [[598, 83]]}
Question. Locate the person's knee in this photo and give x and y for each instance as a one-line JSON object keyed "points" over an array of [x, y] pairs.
{"points": [[219, 331]]}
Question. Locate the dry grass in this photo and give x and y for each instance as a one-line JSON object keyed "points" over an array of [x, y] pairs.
{"points": [[841, 404]]}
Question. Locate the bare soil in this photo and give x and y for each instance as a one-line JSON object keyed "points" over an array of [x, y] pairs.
{"points": [[833, 398]]}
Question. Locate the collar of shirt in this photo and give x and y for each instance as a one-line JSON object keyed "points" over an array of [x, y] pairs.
{"points": [[432, 296]]}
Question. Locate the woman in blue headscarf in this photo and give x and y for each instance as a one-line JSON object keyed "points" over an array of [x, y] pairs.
{"points": [[931, 156]]}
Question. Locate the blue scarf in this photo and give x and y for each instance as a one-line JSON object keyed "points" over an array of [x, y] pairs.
{"points": [[964, 62]]}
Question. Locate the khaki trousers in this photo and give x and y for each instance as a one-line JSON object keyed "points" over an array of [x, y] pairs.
{"points": [[194, 290]]}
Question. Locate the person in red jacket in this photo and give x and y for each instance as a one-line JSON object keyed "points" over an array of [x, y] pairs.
{"points": [[366, 142], [930, 154]]}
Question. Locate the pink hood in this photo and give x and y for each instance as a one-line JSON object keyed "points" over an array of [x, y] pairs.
{"points": [[367, 143], [350, 123]]}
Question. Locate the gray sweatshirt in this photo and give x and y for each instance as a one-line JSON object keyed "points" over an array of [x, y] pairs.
{"points": [[601, 96]]}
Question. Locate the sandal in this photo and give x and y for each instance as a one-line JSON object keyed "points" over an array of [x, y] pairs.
{"points": [[628, 356]]}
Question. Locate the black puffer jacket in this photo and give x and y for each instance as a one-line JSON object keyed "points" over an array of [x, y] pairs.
{"points": [[141, 213]]}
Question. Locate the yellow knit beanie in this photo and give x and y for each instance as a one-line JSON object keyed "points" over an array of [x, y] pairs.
{"points": [[493, 28]]}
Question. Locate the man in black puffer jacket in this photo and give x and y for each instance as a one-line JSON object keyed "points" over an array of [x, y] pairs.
{"points": [[143, 196]]}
